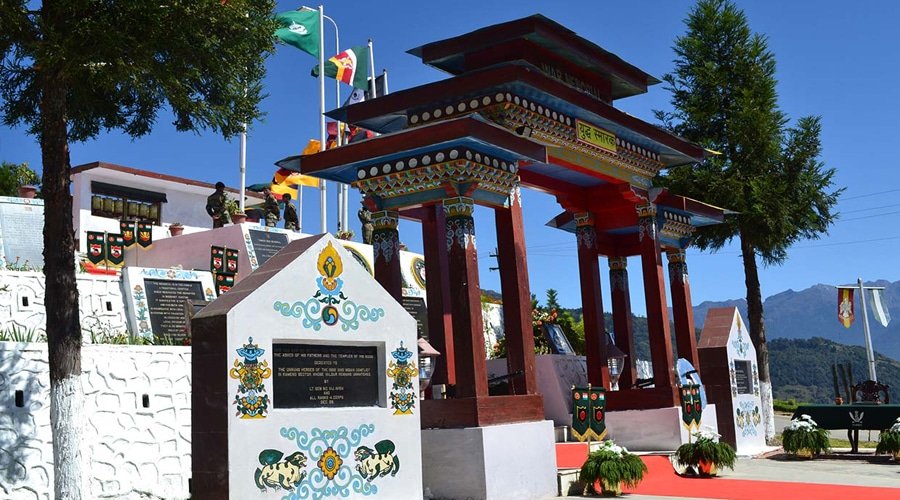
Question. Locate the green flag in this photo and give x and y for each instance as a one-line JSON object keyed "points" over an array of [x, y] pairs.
{"points": [[299, 28], [350, 66]]}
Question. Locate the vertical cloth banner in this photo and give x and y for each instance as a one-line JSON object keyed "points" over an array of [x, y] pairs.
{"points": [[115, 255], [145, 235], [879, 306], [217, 259], [96, 247], [126, 229], [845, 307], [691, 406], [231, 261], [589, 413]]}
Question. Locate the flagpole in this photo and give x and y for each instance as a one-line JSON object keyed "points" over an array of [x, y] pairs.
{"points": [[340, 136], [869, 354], [300, 208], [322, 137], [242, 163], [372, 69]]}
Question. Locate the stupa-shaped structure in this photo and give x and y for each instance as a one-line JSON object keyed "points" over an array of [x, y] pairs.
{"points": [[529, 104]]}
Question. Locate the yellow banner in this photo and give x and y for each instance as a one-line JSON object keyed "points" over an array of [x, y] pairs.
{"points": [[595, 136]]}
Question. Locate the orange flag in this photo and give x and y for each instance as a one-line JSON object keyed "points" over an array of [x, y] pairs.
{"points": [[845, 306]]}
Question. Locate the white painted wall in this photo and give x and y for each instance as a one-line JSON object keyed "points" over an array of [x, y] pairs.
{"points": [[101, 307], [129, 451]]}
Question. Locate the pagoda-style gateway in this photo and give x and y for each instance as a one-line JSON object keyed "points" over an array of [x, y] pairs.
{"points": [[529, 104]]}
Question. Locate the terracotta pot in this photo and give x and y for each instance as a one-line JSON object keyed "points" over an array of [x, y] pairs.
{"points": [[238, 218], [606, 489], [176, 230], [27, 191], [708, 468]]}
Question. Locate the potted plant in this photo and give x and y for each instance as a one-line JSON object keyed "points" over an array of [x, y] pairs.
{"points": [[611, 467], [234, 210], [889, 442], [706, 453], [804, 438], [176, 228], [27, 191]]}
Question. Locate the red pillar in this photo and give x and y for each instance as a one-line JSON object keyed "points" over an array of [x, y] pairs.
{"points": [[622, 324], [516, 295], [655, 295], [682, 308], [437, 292], [465, 299], [386, 247], [591, 301]]}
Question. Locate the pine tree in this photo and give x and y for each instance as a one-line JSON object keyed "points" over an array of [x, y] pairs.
{"points": [[724, 98], [70, 69]]}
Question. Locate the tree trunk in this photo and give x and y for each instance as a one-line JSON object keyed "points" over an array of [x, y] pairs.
{"points": [[758, 333], [61, 299]]}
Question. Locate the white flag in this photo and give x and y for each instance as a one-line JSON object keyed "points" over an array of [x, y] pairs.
{"points": [[879, 307]]}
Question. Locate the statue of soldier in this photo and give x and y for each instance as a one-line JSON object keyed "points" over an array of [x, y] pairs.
{"points": [[365, 220], [273, 213], [291, 221], [215, 206]]}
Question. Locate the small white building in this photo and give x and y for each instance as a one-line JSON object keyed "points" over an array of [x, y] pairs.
{"points": [[103, 193]]}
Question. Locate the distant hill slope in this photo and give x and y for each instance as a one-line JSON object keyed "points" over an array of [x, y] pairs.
{"points": [[801, 368], [813, 313]]}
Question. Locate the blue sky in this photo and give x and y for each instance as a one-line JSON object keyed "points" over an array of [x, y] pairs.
{"points": [[833, 60]]}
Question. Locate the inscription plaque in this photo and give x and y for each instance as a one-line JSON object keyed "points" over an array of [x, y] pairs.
{"points": [[22, 234], [742, 377], [267, 244], [166, 302], [415, 306], [315, 376]]}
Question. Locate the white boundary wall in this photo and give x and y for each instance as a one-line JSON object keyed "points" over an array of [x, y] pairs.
{"points": [[129, 450]]}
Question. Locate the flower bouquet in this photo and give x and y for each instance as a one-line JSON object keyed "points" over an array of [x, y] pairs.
{"points": [[804, 438], [705, 453], [889, 442], [610, 467]]}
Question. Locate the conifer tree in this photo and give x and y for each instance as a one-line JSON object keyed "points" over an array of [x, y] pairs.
{"points": [[724, 98]]}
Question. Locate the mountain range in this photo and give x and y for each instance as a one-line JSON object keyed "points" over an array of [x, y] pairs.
{"points": [[813, 313]]}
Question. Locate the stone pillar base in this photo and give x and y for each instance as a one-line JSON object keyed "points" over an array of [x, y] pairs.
{"points": [[495, 462], [659, 429]]}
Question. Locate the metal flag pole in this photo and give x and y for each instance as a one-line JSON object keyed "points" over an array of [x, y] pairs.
{"points": [[300, 208], [340, 136], [371, 70], [242, 162], [869, 353], [322, 137]]}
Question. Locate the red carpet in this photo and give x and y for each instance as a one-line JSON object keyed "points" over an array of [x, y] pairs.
{"points": [[571, 455], [661, 480]]}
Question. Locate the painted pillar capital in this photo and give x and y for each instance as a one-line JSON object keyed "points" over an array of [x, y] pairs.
{"points": [[385, 220], [585, 232], [459, 223], [646, 221], [618, 263], [678, 270], [459, 207], [618, 273]]}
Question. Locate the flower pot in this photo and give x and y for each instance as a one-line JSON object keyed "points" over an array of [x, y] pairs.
{"points": [[804, 453], [607, 489], [238, 218], [27, 191], [176, 230], [707, 468]]}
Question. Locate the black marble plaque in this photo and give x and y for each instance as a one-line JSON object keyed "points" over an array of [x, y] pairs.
{"points": [[559, 344], [315, 376], [742, 377], [415, 306], [166, 301], [266, 244]]}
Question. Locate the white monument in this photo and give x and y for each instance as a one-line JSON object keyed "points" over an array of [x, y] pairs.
{"points": [[305, 384], [731, 376]]}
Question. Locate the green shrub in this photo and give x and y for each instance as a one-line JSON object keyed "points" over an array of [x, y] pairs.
{"points": [[804, 435], [889, 442], [706, 447], [614, 465], [789, 405]]}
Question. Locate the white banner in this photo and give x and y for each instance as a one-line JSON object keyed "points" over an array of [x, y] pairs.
{"points": [[879, 307]]}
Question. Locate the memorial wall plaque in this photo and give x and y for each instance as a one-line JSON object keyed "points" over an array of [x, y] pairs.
{"points": [[266, 244], [742, 377], [22, 232], [166, 302], [315, 375], [415, 306]]}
